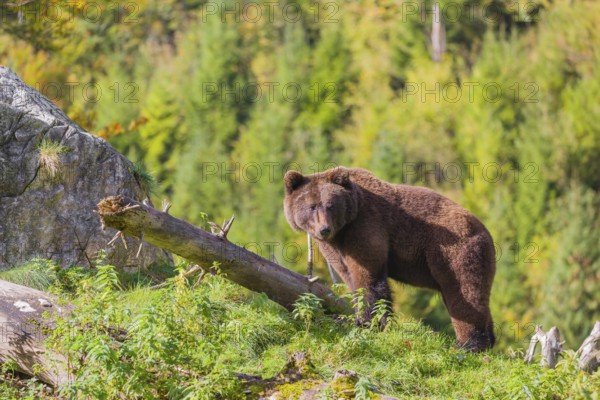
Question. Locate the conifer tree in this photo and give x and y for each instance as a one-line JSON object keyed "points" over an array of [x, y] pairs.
{"points": [[212, 107], [161, 136]]}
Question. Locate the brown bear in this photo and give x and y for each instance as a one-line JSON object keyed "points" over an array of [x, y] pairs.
{"points": [[369, 230]]}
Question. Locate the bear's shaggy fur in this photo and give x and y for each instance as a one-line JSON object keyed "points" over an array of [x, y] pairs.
{"points": [[369, 230]]}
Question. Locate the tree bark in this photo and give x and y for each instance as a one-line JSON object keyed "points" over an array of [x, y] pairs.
{"points": [[589, 352], [23, 330], [551, 346], [236, 263], [438, 34]]}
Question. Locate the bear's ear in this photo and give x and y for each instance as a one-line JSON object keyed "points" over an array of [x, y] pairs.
{"points": [[293, 180], [341, 176]]}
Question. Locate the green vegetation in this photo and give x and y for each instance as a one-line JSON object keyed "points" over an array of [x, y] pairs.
{"points": [[208, 98], [11, 387], [49, 157], [145, 179], [190, 339], [45, 275], [37, 273], [219, 104]]}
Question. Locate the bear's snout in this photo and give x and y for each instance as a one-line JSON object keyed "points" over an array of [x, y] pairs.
{"points": [[325, 231]]}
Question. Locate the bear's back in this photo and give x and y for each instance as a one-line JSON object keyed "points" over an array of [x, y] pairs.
{"points": [[419, 205]]}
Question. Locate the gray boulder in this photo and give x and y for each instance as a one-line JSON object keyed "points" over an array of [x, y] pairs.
{"points": [[52, 175]]}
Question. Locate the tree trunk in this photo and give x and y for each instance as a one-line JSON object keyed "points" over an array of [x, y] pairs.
{"points": [[23, 330], [238, 264]]}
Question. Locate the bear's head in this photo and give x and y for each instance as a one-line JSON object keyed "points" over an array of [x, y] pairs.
{"points": [[321, 204]]}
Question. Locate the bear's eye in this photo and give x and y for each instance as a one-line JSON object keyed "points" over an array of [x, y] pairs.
{"points": [[313, 207]]}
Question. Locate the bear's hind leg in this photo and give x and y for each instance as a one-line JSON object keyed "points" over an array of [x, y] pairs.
{"points": [[473, 325], [464, 273]]}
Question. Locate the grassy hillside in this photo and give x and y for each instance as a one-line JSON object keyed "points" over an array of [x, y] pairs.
{"points": [[218, 105], [193, 338]]}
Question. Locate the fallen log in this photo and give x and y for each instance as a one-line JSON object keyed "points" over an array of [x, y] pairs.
{"points": [[201, 247], [23, 330]]}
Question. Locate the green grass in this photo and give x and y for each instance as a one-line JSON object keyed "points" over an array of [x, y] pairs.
{"points": [[11, 388], [49, 156], [44, 274], [37, 273], [215, 329], [146, 180]]}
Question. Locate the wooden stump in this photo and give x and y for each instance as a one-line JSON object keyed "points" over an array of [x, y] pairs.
{"points": [[589, 352], [551, 346]]}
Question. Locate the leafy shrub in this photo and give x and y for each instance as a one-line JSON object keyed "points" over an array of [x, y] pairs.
{"points": [[43, 274], [190, 340], [307, 309]]}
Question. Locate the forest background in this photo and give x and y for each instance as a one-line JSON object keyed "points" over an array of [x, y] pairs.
{"points": [[217, 99]]}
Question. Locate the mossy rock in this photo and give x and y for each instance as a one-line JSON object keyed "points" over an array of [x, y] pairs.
{"points": [[344, 384], [52, 175], [298, 367]]}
